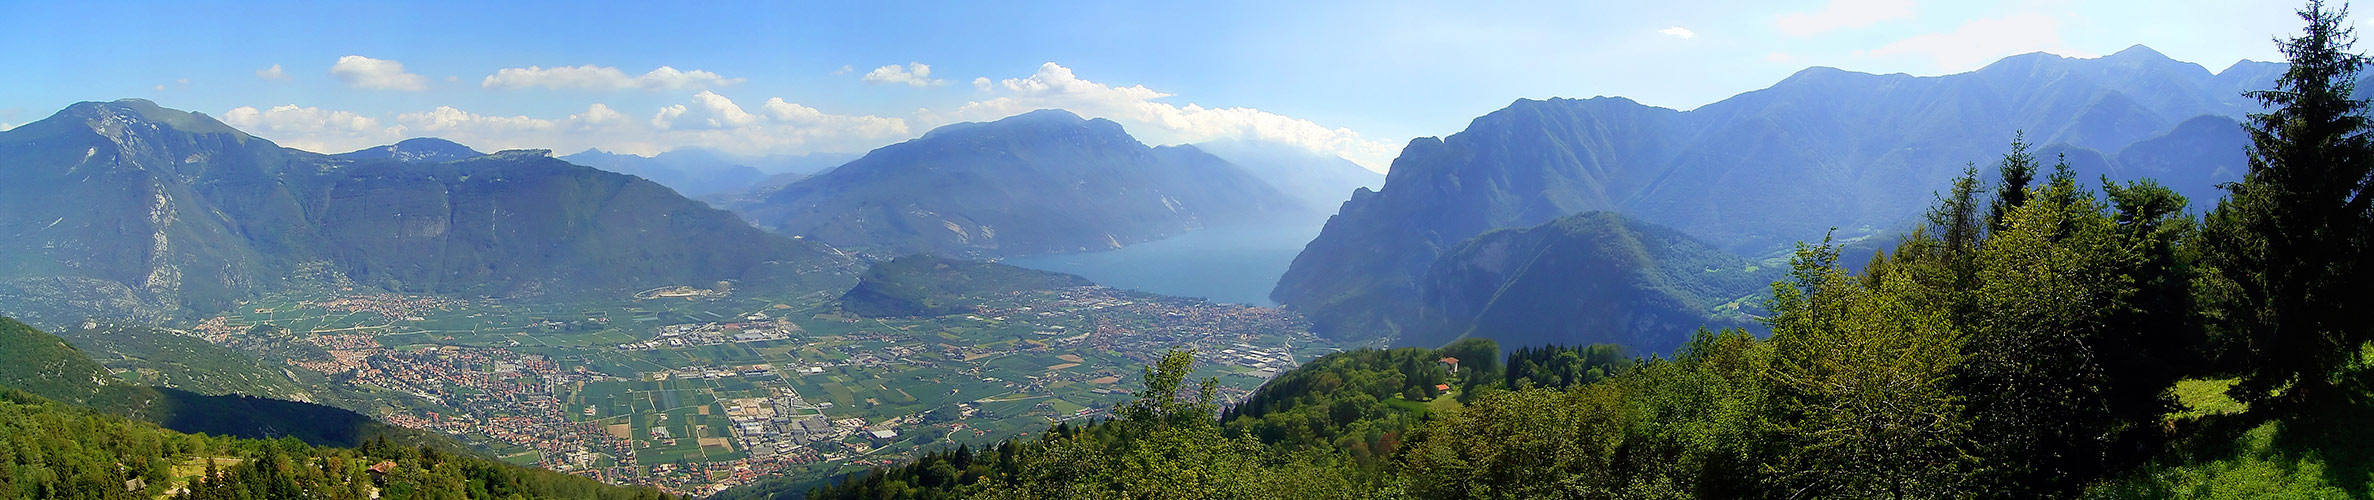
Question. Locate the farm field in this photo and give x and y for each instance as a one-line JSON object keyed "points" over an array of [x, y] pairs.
{"points": [[696, 392]]}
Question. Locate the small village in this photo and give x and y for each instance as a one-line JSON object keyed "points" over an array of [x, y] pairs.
{"points": [[759, 390]]}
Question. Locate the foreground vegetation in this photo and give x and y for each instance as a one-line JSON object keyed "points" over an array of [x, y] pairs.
{"points": [[2037, 338], [52, 450], [69, 430]]}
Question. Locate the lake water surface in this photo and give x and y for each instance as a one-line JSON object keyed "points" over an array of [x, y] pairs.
{"points": [[1229, 264]]}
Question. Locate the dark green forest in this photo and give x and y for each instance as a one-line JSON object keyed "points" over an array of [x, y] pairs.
{"points": [[2040, 336]]}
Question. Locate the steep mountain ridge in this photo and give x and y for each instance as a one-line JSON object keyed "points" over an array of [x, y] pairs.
{"points": [[1824, 148], [210, 215]]}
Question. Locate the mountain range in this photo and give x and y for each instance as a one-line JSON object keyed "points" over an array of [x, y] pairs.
{"points": [[1315, 180], [701, 174], [134, 211], [1752, 174], [1036, 183]]}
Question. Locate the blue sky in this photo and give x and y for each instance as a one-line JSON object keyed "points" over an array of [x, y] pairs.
{"points": [[1357, 79]]}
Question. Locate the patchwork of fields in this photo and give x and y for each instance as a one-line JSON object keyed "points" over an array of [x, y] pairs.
{"points": [[664, 390]]}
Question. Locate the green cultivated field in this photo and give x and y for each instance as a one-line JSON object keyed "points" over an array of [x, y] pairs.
{"points": [[1018, 372]]}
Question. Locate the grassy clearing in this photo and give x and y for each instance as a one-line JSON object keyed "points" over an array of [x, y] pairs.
{"points": [[2223, 450]]}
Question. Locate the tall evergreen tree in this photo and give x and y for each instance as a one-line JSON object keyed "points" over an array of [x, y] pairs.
{"points": [[2018, 169], [2290, 240]]}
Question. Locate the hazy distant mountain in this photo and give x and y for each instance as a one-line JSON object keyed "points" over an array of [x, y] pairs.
{"points": [[2192, 158], [126, 209], [1037, 183], [693, 173], [803, 164], [1589, 278], [421, 149], [1319, 181], [1752, 174]]}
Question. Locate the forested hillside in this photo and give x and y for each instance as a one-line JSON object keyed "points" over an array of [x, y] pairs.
{"points": [[127, 210], [2039, 336], [1588, 278], [926, 285]]}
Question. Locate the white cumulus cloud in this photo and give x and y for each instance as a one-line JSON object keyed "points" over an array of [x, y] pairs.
{"points": [[450, 122], [915, 74], [1140, 109], [604, 78], [377, 74], [1682, 32], [272, 73], [1982, 41], [1841, 14], [313, 129], [707, 120], [599, 115], [791, 113]]}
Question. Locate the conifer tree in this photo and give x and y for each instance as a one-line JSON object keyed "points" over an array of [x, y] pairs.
{"points": [[2290, 240]]}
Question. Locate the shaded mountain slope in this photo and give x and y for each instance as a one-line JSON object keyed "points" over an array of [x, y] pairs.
{"points": [[1588, 278], [1822, 149], [1037, 183], [45, 365], [129, 210]]}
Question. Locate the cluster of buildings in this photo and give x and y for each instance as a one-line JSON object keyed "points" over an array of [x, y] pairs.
{"points": [[714, 372], [506, 396], [756, 327], [767, 427], [1267, 362], [517, 398], [388, 305]]}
